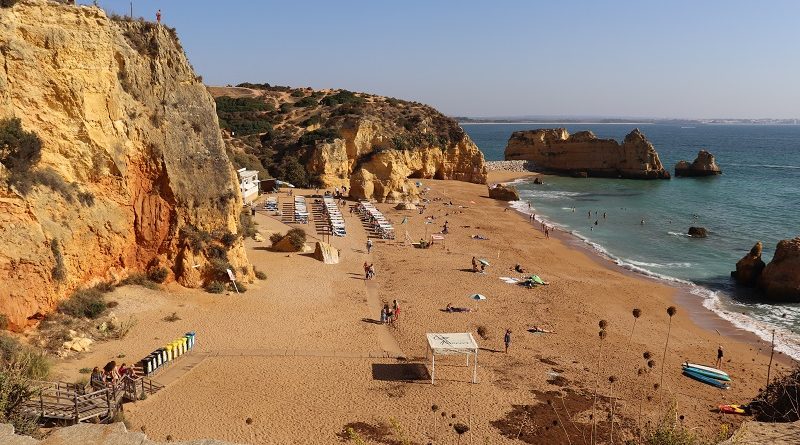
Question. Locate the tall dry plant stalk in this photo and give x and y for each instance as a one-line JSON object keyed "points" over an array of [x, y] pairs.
{"points": [[636, 314], [671, 311], [602, 335], [611, 380]]}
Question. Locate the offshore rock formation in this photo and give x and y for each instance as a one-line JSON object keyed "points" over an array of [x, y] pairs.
{"points": [[504, 192], [377, 147], [703, 165], [780, 280], [132, 157], [583, 154], [698, 232], [749, 268]]}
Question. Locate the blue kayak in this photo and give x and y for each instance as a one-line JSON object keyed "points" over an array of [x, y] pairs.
{"points": [[694, 374]]}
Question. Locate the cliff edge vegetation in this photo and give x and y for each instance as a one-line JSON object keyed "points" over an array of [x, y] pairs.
{"points": [[377, 147]]}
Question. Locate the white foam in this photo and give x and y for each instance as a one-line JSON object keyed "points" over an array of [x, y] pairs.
{"points": [[658, 265], [682, 235], [785, 341]]}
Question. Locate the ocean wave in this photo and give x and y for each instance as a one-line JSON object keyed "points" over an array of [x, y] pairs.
{"points": [[679, 234], [790, 167], [785, 341], [658, 265]]}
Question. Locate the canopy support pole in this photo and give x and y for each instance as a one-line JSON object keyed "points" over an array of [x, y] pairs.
{"points": [[433, 366], [475, 368]]}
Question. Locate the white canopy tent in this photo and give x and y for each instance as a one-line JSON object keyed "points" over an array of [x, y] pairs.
{"points": [[453, 343]]}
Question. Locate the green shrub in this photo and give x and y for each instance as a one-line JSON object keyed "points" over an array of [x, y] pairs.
{"points": [[158, 274], [59, 271], [342, 97], [88, 303], [105, 287], [247, 225], [292, 171], [139, 279], [3, 322], [307, 101], [313, 120], [320, 135], [215, 287], [239, 285], [260, 275], [19, 149], [196, 239], [669, 431], [228, 239], [780, 399], [173, 317], [86, 198], [275, 238], [298, 93], [297, 238], [217, 269], [85, 370]]}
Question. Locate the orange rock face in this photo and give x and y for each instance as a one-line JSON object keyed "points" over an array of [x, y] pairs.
{"points": [[584, 154], [780, 280], [130, 135]]}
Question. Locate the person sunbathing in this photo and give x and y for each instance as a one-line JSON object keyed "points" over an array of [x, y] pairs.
{"points": [[479, 237], [450, 308], [536, 329], [519, 268]]}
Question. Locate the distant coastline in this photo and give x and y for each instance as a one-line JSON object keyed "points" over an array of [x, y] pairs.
{"points": [[606, 121]]}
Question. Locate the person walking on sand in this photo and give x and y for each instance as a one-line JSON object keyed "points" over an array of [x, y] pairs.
{"points": [[369, 246], [158, 16], [366, 271], [507, 339], [547, 232], [474, 264], [719, 356], [395, 310], [371, 271], [384, 311]]}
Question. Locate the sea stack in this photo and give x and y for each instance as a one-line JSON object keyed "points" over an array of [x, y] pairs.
{"points": [[749, 268], [703, 165], [583, 154], [502, 192], [780, 280]]}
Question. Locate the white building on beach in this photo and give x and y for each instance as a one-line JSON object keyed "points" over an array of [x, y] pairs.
{"points": [[248, 184]]}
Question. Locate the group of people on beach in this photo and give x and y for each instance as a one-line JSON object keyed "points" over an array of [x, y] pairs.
{"points": [[475, 266], [369, 270], [109, 375], [390, 314]]}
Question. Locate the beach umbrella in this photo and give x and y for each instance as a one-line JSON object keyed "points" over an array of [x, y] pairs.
{"points": [[419, 184], [477, 298], [484, 262]]}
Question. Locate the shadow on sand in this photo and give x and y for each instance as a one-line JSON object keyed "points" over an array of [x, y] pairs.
{"points": [[400, 372]]}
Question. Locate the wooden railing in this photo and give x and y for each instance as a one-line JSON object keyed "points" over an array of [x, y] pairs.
{"points": [[78, 403]]}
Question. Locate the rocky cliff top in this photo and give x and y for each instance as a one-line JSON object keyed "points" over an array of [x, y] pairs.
{"points": [[129, 159], [585, 154], [373, 145]]}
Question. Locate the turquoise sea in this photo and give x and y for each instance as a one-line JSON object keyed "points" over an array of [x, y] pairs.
{"points": [[756, 198]]}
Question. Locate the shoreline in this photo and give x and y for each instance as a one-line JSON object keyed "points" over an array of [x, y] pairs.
{"points": [[702, 316]]}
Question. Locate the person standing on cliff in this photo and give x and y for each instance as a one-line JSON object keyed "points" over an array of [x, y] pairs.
{"points": [[158, 16]]}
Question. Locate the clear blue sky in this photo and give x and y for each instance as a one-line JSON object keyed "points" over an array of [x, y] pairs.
{"points": [[692, 59]]}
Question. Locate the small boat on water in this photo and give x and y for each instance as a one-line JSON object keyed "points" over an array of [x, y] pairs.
{"points": [[707, 371]]}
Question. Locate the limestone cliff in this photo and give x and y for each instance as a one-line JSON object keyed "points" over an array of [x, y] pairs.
{"points": [[377, 147], [584, 154], [703, 165], [132, 162], [780, 279]]}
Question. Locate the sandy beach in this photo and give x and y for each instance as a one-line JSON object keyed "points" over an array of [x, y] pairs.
{"points": [[301, 356]]}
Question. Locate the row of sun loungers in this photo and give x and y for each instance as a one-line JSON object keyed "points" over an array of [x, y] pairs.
{"points": [[379, 224], [334, 216], [272, 204], [300, 210]]}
